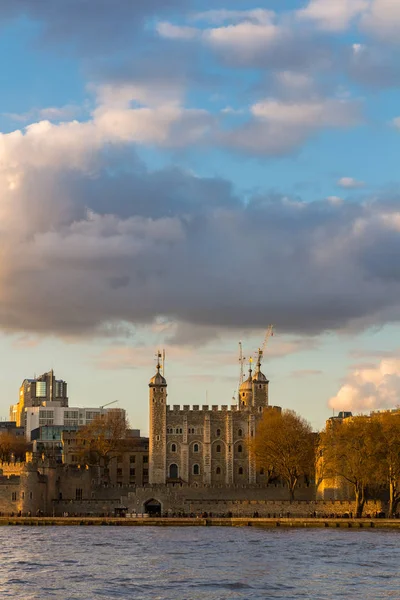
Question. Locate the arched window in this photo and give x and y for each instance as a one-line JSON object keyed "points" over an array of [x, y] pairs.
{"points": [[173, 447], [218, 471], [218, 432], [195, 448], [243, 395], [261, 471], [177, 431], [196, 470], [240, 471], [173, 471], [218, 448], [240, 449], [240, 432]]}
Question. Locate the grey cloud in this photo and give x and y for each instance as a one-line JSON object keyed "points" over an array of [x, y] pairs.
{"points": [[373, 66], [90, 27], [295, 50], [110, 248]]}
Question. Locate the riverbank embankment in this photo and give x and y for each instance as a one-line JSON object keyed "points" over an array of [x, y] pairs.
{"points": [[202, 522]]}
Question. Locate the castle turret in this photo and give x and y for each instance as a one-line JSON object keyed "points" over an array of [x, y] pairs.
{"points": [[158, 428], [260, 387], [246, 392]]}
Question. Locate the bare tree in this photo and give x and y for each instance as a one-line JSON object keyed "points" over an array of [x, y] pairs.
{"points": [[103, 439], [284, 444]]}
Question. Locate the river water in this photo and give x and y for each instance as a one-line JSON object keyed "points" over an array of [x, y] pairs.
{"points": [[197, 563]]}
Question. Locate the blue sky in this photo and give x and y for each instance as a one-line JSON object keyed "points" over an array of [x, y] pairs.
{"points": [[181, 174]]}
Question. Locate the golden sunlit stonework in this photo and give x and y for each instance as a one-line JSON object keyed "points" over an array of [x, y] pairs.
{"points": [[206, 445]]}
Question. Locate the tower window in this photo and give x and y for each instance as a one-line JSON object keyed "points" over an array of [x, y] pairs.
{"points": [[196, 470], [240, 449], [218, 471], [240, 432], [260, 386], [218, 432], [243, 394], [173, 471], [218, 448], [173, 447], [240, 471], [195, 448]]}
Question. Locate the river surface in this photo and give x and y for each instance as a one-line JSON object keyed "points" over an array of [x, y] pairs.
{"points": [[197, 563]]}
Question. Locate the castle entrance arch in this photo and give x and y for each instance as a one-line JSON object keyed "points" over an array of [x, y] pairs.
{"points": [[153, 507]]}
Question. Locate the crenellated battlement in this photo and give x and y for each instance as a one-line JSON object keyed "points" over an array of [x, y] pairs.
{"points": [[205, 408], [11, 468]]}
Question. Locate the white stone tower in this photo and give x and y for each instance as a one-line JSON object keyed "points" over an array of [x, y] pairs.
{"points": [[158, 428]]}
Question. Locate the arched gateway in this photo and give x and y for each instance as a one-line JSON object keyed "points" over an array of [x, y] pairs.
{"points": [[152, 507]]}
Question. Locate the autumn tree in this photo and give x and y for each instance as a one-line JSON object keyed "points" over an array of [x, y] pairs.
{"points": [[348, 451], [387, 449], [12, 446], [103, 439], [285, 445]]}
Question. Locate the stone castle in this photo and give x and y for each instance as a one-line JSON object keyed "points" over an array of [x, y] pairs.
{"points": [[206, 445], [196, 460]]}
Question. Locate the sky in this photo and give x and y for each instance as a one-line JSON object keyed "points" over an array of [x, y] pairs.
{"points": [[180, 174]]}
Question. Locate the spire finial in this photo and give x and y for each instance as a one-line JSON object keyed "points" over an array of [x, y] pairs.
{"points": [[250, 366], [158, 356]]}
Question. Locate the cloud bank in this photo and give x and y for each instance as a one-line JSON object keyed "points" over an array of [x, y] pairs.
{"points": [[89, 236], [370, 388]]}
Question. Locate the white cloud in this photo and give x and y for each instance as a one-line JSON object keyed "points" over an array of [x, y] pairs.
{"points": [[278, 127], [258, 15], [350, 183], [253, 38], [113, 121], [382, 20], [335, 200], [370, 388], [176, 32], [51, 113], [245, 38], [333, 15]]}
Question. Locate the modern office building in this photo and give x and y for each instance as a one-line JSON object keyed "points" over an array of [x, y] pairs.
{"points": [[56, 415], [36, 392]]}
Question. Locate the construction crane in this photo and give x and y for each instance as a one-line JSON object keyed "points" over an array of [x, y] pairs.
{"points": [[108, 403], [241, 362], [241, 372], [268, 334]]}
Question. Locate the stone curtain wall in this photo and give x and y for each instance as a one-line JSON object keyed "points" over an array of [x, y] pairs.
{"points": [[278, 509], [234, 508]]}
